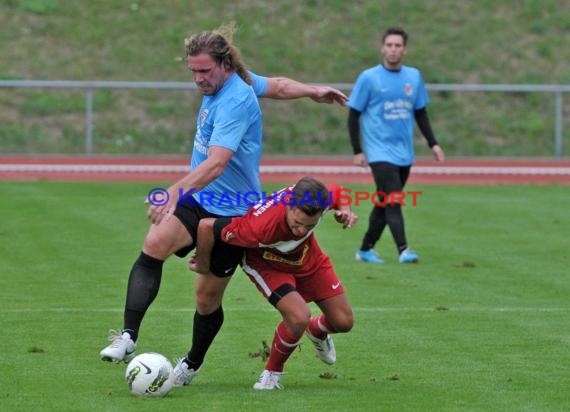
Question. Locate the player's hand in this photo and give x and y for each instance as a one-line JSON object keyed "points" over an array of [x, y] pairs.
{"points": [[438, 153], [359, 160], [346, 217], [192, 264], [158, 212], [329, 95], [195, 266]]}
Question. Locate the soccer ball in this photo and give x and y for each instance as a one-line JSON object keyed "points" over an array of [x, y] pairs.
{"points": [[149, 374]]}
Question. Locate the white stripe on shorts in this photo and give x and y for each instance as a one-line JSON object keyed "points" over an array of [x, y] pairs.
{"points": [[257, 278]]}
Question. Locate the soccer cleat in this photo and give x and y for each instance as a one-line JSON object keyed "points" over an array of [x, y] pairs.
{"points": [[121, 349], [324, 347], [409, 256], [268, 380], [368, 256], [183, 375]]}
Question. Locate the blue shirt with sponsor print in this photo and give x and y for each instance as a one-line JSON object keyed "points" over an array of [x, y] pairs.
{"points": [[232, 119], [387, 100]]}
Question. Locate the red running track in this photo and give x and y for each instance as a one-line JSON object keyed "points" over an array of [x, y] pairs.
{"points": [[285, 169]]}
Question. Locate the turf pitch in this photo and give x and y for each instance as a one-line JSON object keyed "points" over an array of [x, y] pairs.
{"points": [[480, 324]]}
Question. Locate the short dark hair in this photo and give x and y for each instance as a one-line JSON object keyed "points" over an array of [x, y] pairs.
{"points": [[397, 31], [311, 196]]}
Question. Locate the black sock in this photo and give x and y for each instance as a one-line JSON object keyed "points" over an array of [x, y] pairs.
{"points": [[144, 282], [131, 332], [205, 329]]}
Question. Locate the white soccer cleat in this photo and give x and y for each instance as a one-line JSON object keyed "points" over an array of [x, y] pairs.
{"points": [[183, 375], [268, 380], [121, 349], [324, 347]]}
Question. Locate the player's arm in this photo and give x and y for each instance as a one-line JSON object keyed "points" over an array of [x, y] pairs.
{"points": [[285, 88], [343, 213], [354, 134], [206, 172], [422, 120], [200, 263], [237, 231]]}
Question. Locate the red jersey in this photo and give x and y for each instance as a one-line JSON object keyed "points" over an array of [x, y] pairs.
{"points": [[270, 242]]}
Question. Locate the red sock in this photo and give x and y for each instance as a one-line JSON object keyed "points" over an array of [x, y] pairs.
{"points": [[282, 347], [320, 327]]}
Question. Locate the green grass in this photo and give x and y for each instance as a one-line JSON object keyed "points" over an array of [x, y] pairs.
{"points": [[480, 324], [314, 41]]}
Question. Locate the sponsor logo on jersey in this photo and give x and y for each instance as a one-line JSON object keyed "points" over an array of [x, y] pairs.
{"points": [[267, 255]]}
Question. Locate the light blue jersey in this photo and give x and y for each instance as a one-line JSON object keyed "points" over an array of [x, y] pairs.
{"points": [[387, 101], [259, 84], [231, 118]]}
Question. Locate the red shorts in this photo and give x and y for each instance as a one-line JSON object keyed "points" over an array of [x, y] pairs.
{"points": [[321, 284]]}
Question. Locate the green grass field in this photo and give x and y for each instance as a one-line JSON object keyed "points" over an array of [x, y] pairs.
{"points": [[481, 324]]}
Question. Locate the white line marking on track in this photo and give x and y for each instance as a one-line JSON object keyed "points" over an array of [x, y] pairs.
{"points": [[256, 309], [422, 170]]}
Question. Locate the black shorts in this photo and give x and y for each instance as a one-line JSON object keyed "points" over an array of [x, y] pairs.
{"points": [[225, 258], [389, 177]]}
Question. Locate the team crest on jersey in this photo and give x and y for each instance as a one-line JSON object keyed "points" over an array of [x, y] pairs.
{"points": [[229, 235], [408, 89], [203, 116]]}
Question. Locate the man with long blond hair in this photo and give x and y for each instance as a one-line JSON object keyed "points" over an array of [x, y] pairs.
{"points": [[225, 160]]}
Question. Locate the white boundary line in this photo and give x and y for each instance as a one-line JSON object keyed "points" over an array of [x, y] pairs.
{"points": [[422, 170], [269, 309]]}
